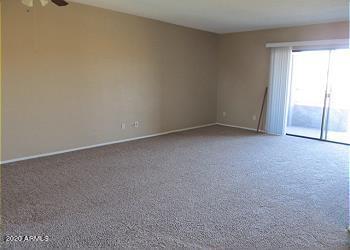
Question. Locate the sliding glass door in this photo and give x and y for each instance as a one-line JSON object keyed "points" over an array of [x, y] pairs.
{"points": [[308, 86], [337, 116], [320, 95]]}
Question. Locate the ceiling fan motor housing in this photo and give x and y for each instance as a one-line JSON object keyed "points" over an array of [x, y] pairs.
{"points": [[30, 3]]}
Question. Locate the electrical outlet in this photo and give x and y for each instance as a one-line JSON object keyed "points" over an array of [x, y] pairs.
{"points": [[123, 125], [224, 114], [254, 117], [136, 124]]}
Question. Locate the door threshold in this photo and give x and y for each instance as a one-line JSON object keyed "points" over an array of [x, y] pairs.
{"points": [[317, 139]]}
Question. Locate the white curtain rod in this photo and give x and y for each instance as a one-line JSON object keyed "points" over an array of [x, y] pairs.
{"points": [[310, 43]]}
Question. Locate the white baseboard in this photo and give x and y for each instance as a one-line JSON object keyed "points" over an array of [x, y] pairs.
{"points": [[121, 141], [233, 126], [103, 144]]}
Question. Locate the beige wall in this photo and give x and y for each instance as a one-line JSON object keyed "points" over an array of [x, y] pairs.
{"points": [[244, 67], [73, 74]]}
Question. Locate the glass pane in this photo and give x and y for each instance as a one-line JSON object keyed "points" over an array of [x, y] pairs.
{"points": [[337, 126], [308, 86]]}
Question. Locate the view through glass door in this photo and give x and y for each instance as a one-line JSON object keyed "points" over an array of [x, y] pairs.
{"points": [[320, 95]]}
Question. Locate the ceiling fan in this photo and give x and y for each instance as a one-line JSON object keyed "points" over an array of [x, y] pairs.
{"points": [[30, 3]]}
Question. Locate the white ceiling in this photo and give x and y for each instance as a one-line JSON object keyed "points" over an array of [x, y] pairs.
{"points": [[223, 16]]}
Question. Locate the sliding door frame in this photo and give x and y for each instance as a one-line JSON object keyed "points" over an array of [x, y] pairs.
{"points": [[326, 102]]}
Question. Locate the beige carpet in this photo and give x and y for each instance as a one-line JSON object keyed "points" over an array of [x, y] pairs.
{"points": [[214, 187]]}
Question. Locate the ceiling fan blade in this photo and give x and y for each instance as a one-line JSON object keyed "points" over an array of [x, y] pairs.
{"points": [[59, 2], [28, 3], [44, 2]]}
